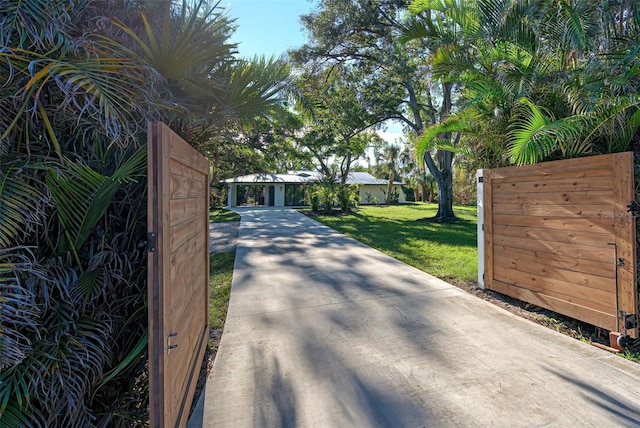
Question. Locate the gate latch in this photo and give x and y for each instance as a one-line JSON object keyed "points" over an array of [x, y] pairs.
{"points": [[634, 208]]}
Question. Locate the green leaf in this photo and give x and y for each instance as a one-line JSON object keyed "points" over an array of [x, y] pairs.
{"points": [[430, 138], [83, 195], [18, 206], [90, 282], [535, 136], [417, 29], [135, 353]]}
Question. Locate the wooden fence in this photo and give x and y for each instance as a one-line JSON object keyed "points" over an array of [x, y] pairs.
{"points": [[559, 235], [178, 221]]}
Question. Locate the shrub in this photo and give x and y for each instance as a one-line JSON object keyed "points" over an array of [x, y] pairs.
{"points": [[327, 193], [347, 196], [312, 197]]}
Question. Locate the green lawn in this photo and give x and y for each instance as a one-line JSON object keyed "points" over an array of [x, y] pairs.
{"points": [[221, 215], [221, 268], [221, 272], [448, 251]]}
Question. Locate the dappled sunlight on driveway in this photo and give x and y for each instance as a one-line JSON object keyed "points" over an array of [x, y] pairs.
{"points": [[324, 331]]}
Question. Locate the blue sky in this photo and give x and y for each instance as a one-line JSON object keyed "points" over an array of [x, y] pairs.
{"points": [[267, 27], [271, 27]]}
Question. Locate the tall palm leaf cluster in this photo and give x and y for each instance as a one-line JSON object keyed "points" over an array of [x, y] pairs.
{"points": [[79, 80], [538, 79]]}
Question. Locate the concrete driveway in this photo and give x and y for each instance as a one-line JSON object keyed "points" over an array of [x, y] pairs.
{"points": [[323, 331]]}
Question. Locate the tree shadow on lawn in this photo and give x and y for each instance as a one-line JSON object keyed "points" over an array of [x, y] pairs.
{"points": [[463, 233]]}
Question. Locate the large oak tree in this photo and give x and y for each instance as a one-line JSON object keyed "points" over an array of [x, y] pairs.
{"points": [[393, 80]]}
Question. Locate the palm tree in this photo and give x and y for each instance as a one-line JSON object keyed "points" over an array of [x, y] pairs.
{"points": [[387, 159], [207, 87], [73, 106], [72, 218], [547, 75]]}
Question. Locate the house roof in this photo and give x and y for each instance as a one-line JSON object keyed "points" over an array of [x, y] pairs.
{"points": [[301, 177], [366, 178], [266, 178]]}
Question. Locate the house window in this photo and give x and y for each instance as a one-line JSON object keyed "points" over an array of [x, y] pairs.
{"points": [[294, 195], [250, 195]]}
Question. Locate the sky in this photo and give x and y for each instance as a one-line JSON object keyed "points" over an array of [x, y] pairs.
{"points": [[267, 27], [271, 27]]}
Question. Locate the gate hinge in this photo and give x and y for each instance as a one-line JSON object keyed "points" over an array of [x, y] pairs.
{"points": [[169, 345], [480, 179], [634, 208], [620, 261], [151, 242]]}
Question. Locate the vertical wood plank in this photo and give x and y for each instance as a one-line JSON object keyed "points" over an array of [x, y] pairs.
{"points": [[164, 242], [152, 279], [487, 191], [624, 225], [156, 222]]}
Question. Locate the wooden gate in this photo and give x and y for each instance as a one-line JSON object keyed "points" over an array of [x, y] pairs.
{"points": [[559, 235], [178, 221]]}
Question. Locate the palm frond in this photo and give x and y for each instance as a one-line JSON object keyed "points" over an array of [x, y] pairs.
{"points": [[199, 43], [452, 17], [430, 138], [534, 136], [82, 195], [104, 91], [18, 311], [418, 29], [615, 121], [135, 354], [510, 22], [574, 24], [36, 24], [255, 87], [419, 6], [19, 211]]}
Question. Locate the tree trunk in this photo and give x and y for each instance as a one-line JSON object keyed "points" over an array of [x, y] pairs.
{"points": [[444, 180], [345, 167], [416, 195], [443, 172], [389, 188], [445, 200]]}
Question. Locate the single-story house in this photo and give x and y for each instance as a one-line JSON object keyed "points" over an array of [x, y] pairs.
{"points": [[282, 190]]}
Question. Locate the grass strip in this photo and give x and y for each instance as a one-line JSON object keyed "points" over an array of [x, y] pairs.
{"points": [[221, 273], [447, 251], [222, 215]]}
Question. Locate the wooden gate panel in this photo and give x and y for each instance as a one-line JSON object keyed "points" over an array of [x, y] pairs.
{"points": [[178, 273], [554, 232], [625, 234]]}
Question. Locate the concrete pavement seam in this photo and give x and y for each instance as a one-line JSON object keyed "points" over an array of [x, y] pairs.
{"points": [[342, 302]]}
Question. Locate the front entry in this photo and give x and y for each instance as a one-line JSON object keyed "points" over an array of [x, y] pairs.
{"points": [[272, 195]]}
